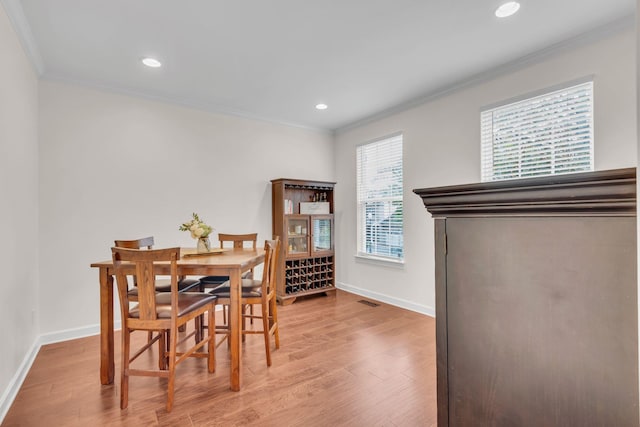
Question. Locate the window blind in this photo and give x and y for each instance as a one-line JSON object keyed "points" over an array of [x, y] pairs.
{"points": [[379, 194], [544, 135]]}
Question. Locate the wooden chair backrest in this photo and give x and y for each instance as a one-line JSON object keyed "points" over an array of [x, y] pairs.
{"points": [[272, 247], [135, 244], [145, 275], [145, 242], [238, 239]]}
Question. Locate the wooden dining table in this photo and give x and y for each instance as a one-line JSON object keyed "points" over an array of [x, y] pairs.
{"points": [[228, 262]]}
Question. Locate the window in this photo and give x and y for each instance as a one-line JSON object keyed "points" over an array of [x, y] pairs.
{"points": [[544, 135], [379, 188]]}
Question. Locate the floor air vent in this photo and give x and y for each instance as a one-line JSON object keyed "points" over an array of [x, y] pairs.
{"points": [[369, 303]]}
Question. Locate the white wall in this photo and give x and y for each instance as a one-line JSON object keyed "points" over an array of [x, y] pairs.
{"points": [[18, 204], [118, 167], [442, 147]]}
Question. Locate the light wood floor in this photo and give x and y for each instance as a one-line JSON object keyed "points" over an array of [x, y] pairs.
{"points": [[341, 363]]}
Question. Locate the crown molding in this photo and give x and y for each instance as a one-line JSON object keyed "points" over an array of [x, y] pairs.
{"points": [[586, 38], [22, 28], [177, 101], [14, 11]]}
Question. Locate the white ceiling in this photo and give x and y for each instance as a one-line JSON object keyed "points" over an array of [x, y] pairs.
{"points": [[276, 59]]}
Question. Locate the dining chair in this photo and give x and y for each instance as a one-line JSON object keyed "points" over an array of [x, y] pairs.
{"points": [[237, 241], [162, 285], [259, 292], [159, 313]]}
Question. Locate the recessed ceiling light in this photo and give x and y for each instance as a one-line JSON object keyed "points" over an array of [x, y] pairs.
{"points": [[322, 106], [507, 9], [151, 62]]}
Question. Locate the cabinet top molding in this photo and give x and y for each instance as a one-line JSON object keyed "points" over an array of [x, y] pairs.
{"points": [[586, 193], [301, 181]]}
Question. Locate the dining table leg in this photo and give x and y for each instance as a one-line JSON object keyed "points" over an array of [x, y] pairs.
{"points": [[107, 365], [235, 329]]}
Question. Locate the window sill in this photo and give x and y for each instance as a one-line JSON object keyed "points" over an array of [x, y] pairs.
{"points": [[370, 259]]}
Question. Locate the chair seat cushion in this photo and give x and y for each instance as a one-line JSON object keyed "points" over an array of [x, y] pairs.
{"points": [[187, 302], [248, 285], [219, 280], [250, 288], [213, 280], [164, 285], [251, 294]]}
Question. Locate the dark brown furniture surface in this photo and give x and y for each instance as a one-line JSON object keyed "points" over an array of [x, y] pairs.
{"points": [[303, 268], [536, 301]]}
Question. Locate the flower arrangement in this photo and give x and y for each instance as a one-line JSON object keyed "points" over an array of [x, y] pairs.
{"points": [[197, 227]]}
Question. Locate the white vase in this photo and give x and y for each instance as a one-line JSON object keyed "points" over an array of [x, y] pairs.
{"points": [[204, 245]]}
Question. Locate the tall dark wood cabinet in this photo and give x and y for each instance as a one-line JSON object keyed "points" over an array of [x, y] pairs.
{"points": [[302, 215], [536, 301]]}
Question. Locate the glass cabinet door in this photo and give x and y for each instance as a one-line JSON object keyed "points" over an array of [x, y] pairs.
{"points": [[322, 233], [297, 235]]}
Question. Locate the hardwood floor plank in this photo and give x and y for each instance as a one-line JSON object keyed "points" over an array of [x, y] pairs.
{"points": [[340, 363]]}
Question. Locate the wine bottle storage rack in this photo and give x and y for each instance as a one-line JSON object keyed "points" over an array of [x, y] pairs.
{"points": [[306, 262], [308, 274]]}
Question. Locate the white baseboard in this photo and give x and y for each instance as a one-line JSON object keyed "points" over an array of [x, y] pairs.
{"points": [[72, 334], [398, 302], [10, 393], [13, 388]]}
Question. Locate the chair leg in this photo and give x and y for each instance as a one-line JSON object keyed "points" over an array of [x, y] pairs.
{"points": [[223, 329], [211, 335], [124, 376], [162, 351], [265, 330], [199, 328], [274, 318], [172, 369], [243, 310]]}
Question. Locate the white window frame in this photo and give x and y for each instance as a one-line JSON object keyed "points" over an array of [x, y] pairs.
{"points": [[371, 188], [547, 133]]}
